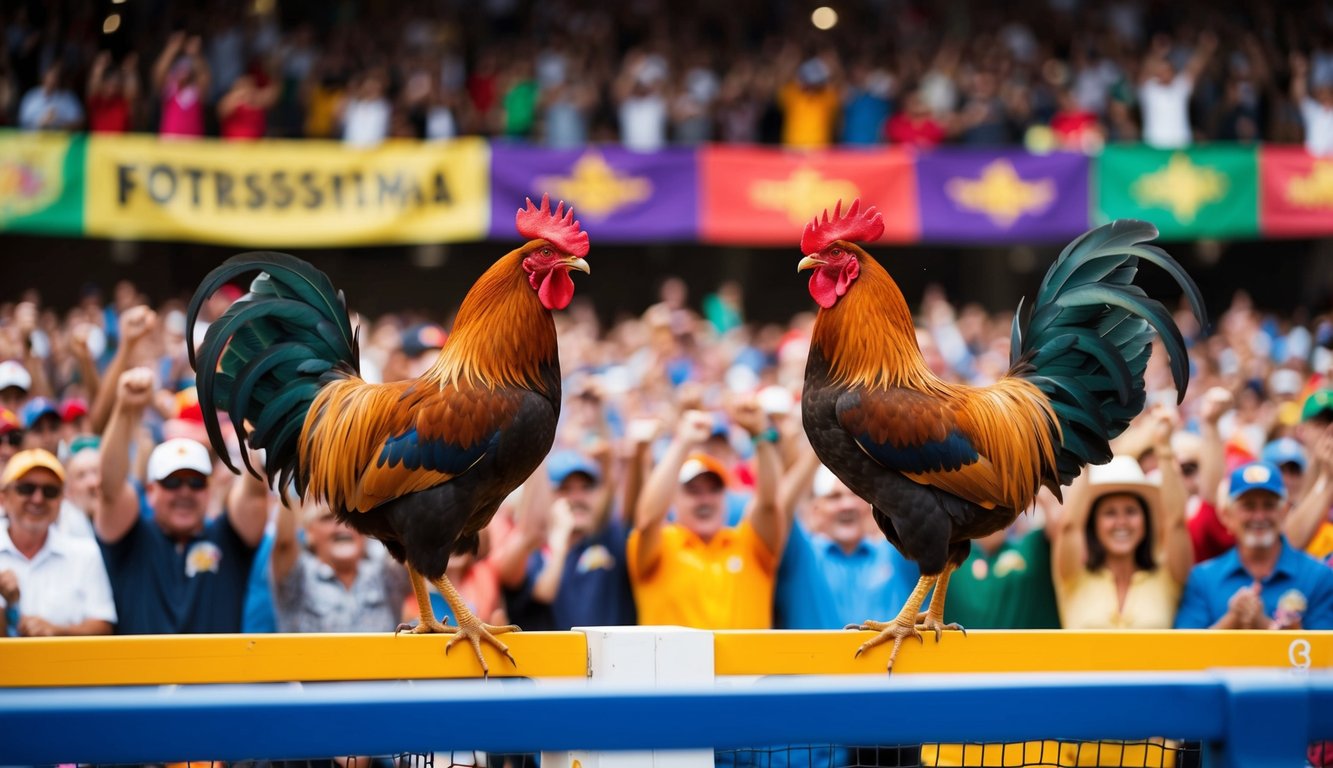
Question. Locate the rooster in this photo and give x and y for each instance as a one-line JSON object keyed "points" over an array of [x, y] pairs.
{"points": [[944, 463], [423, 464]]}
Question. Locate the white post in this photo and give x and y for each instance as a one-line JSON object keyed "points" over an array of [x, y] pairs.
{"points": [[643, 658]]}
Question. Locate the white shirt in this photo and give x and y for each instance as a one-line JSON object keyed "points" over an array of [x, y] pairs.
{"points": [[643, 122], [64, 583], [1166, 112], [1318, 121], [365, 123]]}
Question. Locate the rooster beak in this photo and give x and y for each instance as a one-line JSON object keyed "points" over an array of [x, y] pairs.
{"points": [[580, 265], [810, 262]]}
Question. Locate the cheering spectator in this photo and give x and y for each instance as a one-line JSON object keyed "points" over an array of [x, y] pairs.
{"points": [[697, 572], [50, 106], [915, 125], [334, 582], [50, 583], [172, 570], [1315, 105], [1263, 583], [1164, 93], [182, 79], [113, 93], [243, 110]]}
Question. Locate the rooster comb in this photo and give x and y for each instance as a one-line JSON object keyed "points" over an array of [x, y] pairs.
{"points": [[558, 228], [856, 225]]}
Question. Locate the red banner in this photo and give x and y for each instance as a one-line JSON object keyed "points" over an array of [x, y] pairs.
{"points": [[1295, 192], [767, 196]]}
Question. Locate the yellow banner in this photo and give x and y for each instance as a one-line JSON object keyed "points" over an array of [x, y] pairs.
{"points": [[287, 193]]}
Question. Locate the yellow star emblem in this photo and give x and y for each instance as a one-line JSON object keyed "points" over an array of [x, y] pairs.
{"points": [[805, 190], [595, 187], [1181, 187], [1001, 194], [1315, 190]]}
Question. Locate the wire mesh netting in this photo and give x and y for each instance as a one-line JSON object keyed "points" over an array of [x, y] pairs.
{"points": [[1146, 753]]}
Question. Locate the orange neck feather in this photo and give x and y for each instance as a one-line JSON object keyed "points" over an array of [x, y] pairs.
{"points": [[502, 335], [868, 336]]}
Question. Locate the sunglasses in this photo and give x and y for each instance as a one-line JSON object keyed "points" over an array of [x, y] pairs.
{"points": [[173, 483], [14, 438], [49, 492]]}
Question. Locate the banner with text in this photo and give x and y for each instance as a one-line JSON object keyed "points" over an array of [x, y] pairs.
{"points": [[1295, 193], [618, 195], [41, 183], [287, 193], [767, 196], [993, 197], [1206, 191]]}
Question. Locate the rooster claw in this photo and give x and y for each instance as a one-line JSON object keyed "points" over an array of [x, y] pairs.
{"points": [[426, 628]]}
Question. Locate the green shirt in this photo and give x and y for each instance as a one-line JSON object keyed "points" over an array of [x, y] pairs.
{"points": [[1010, 589], [520, 105]]}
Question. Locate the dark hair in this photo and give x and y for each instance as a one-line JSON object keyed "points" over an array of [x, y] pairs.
{"points": [[1143, 554]]}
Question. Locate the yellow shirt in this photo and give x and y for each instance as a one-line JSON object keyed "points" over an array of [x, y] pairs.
{"points": [[808, 116], [725, 583], [1321, 544], [1090, 601]]}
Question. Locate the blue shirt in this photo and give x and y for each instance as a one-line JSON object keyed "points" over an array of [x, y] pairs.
{"points": [[820, 586], [163, 588], [594, 585], [1296, 578]]}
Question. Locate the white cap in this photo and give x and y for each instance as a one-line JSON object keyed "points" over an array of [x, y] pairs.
{"points": [[177, 454], [13, 374], [825, 482]]}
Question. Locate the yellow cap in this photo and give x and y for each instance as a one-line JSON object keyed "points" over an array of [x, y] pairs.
{"points": [[24, 462]]}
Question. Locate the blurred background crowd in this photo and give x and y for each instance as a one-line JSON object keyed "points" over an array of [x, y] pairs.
{"points": [[1048, 73]]}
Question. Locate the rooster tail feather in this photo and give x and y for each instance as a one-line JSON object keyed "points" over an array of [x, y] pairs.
{"points": [[265, 359], [1086, 340]]}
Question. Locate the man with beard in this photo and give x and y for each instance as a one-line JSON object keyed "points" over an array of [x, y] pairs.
{"points": [[172, 571], [582, 574], [696, 572], [1264, 582], [335, 583]]}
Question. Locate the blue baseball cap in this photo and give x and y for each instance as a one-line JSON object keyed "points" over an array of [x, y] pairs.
{"points": [[1285, 450], [562, 464], [1256, 476], [35, 409]]}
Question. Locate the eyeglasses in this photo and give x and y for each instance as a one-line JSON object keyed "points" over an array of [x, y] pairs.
{"points": [[49, 492], [14, 438], [173, 483]]}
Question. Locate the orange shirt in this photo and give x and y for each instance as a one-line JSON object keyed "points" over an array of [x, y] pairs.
{"points": [[808, 117], [725, 583]]}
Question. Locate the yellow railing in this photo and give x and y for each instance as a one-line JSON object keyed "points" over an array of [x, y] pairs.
{"points": [[162, 660]]}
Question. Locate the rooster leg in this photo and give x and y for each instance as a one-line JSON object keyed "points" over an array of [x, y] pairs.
{"points": [[472, 628], [900, 628], [427, 624], [933, 618]]}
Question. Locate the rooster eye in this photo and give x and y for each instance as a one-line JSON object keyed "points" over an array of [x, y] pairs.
{"points": [[835, 252], [546, 251]]}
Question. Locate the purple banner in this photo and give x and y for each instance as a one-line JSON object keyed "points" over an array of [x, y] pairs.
{"points": [[995, 196], [619, 196]]}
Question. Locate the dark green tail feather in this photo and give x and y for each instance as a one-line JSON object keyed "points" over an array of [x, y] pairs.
{"points": [[1088, 336], [269, 354]]}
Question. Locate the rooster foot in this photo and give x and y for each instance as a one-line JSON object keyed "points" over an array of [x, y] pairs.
{"points": [[424, 628], [929, 623], [477, 633], [888, 630]]}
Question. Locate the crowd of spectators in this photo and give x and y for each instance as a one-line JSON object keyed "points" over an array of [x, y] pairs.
{"points": [[1047, 73], [681, 488]]}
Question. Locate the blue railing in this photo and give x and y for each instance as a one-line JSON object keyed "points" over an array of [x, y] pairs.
{"points": [[1247, 718]]}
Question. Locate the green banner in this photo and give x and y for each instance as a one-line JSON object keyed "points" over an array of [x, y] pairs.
{"points": [[41, 183], [1207, 191]]}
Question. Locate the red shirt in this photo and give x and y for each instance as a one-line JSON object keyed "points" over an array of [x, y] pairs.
{"points": [[1072, 128], [924, 132], [1209, 536], [108, 114], [244, 122]]}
